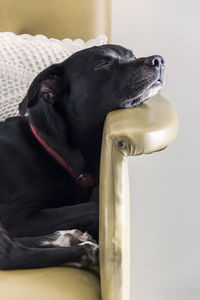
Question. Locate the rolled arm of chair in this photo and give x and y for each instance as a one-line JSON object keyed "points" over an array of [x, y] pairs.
{"points": [[150, 127]]}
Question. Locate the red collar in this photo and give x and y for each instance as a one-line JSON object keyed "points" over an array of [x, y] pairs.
{"points": [[83, 179]]}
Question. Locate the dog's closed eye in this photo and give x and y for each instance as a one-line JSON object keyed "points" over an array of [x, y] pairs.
{"points": [[104, 64]]}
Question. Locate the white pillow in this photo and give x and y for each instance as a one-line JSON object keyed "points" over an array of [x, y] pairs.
{"points": [[23, 56]]}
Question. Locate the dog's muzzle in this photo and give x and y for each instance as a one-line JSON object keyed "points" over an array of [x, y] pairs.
{"points": [[158, 63]]}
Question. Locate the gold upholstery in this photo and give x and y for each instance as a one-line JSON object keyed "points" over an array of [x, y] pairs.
{"points": [[49, 284], [56, 18], [150, 127]]}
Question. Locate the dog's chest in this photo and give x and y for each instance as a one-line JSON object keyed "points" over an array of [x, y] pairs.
{"points": [[30, 177]]}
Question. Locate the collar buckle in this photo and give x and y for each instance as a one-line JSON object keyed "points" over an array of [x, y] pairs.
{"points": [[81, 177]]}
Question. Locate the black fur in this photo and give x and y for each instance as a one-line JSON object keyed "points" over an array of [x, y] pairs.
{"points": [[67, 104]]}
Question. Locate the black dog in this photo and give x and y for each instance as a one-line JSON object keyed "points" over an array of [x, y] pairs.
{"points": [[49, 159]]}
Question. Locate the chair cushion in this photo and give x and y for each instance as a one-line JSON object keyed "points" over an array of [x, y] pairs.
{"points": [[58, 283]]}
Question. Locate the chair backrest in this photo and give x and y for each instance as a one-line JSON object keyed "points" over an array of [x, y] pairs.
{"points": [[83, 19]]}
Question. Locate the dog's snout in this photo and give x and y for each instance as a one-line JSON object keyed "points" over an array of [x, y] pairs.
{"points": [[155, 61]]}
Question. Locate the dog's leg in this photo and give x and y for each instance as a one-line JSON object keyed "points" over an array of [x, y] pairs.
{"points": [[84, 217], [15, 256], [62, 238]]}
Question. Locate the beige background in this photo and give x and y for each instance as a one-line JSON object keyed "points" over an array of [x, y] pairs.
{"points": [[165, 186]]}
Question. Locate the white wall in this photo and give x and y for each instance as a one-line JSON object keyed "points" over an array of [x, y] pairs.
{"points": [[165, 186]]}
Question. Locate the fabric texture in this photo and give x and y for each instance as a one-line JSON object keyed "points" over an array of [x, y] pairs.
{"points": [[22, 57]]}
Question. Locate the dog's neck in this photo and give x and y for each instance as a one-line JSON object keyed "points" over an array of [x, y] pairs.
{"points": [[88, 136], [77, 145]]}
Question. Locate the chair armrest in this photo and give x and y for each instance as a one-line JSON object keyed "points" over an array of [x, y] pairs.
{"points": [[150, 127]]}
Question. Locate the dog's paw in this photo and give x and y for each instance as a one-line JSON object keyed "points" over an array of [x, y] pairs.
{"points": [[82, 236], [67, 238], [90, 258]]}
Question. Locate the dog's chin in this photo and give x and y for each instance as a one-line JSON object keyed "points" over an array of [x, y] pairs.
{"points": [[152, 91]]}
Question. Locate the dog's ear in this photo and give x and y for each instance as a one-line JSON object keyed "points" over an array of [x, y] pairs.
{"points": [[49, 85]]}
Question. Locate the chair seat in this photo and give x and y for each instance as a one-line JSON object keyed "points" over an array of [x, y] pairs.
{"points": [[58, 283]]}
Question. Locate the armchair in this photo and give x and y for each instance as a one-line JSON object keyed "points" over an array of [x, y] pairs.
{"points": [[150, 127]]}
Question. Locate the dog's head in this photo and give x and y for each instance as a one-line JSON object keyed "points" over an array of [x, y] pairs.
{"points": [[95, 81]]}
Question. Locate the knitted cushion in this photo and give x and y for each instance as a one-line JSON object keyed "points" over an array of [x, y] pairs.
{"points": [[22, 57]]}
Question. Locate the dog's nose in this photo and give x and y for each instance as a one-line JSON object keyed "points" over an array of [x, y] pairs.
{"points": [[155, 61]]}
